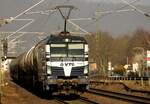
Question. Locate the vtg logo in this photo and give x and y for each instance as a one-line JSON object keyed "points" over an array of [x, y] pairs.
{"points": [[67, 64]]}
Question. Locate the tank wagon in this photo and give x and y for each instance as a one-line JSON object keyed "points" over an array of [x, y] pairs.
{"points": [[57, 63]]}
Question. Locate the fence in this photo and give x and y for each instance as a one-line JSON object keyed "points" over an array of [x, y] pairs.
{"points": [[141, 80]]}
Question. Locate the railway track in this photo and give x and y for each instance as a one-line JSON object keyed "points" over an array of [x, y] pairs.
{"points": [[84, 100], [121, 96], [126, 87], [53, 100], [87, 101], [60, 101], [81, 100]]}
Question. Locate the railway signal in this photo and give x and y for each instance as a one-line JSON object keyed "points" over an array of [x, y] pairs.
{"points": [[6, 21], [9, 20], [14, 42]]}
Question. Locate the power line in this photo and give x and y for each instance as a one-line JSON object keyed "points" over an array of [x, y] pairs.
{"points": [[126, 5], [46, 12], [31, 21], [15, 18], [105, 14], [136, 9], [29, 9], [5, 21], [78, 27], [21, 32], [8, 20]]}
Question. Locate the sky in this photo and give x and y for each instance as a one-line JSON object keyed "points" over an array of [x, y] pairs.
{"points": [[10, 8], [116, 23], [142, 2]]}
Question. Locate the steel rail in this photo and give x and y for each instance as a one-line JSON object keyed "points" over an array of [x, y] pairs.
{"points": [[80, 99], [60, 101], [86, 100], [121, 96], [126, 87]]}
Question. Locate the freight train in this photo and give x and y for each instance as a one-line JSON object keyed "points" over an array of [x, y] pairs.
{"points": [[57, 63]]}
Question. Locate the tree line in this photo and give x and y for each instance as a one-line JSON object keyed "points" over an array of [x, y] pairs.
{"points": [[103, 47]]}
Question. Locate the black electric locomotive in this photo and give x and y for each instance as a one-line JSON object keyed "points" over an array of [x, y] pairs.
{"points": [[57, 63]]}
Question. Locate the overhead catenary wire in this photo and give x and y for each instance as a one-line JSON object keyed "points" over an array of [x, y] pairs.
{"points": [[76, 19], [46, 23], [28, 9], [17, 37], [31, 21], [120, 8], [69, 20], [46, 12], [105, 12], [116, 11], [96, 13], [14, 44], [126, 5], [139, 11], [78, 27], [10, 19], [21, 32], [136, 9]]}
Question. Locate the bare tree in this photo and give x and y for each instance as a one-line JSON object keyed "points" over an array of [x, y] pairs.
{"points": [[119, 50], [100, 44]]}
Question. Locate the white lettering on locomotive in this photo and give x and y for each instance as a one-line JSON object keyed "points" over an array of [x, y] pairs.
{"points": [[66, 64]]}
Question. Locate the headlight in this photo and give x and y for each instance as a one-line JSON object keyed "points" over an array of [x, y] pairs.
{"points": [[86, 49], [49, 70], [86, 70]]}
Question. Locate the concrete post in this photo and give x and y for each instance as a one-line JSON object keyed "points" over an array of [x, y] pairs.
{"points": [[142, 82], [1, 76], [149, 81]]}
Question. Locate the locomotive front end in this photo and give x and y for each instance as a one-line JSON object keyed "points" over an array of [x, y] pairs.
{"points": [[67, 64]]}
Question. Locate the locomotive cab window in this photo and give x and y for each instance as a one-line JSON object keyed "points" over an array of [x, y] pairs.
{"points": [[75, 50], [58, 50], [67, 50]]}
